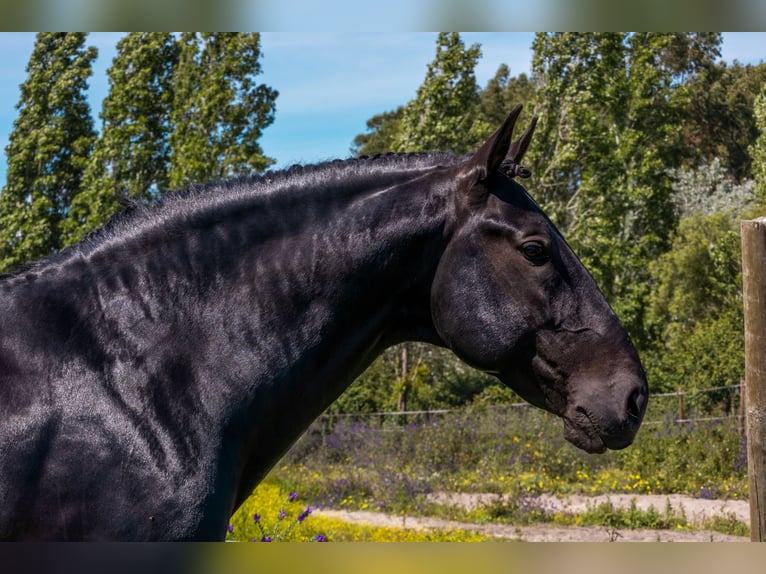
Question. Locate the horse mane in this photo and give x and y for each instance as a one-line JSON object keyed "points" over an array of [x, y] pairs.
{"points": [[293, 184]]}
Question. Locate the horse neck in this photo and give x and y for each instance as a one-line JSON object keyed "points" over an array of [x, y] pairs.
{"points": [[245, 322], [356, 270], [337, 291]]}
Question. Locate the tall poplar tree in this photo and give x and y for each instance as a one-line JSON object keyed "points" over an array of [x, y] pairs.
{"points": [[132, 154], [502, 93], [219, 111], [450, 111], [49, 146], [443, 115]]}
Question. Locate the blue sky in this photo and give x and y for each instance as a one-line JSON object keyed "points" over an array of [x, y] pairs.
{"points": [[329, 84]]}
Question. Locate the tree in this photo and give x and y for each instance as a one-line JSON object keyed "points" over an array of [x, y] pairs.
{"points": [[758, 149], [719, 117], [610, 107], [502, 93], [695, 308], [219, 111], [450, 112], [131, 157], [443, 114], [433, 379], [709, 189], [694, 311], [382, 130], [48, 150]]}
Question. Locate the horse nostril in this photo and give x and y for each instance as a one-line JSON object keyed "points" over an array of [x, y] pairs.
{"points": [[633, 409]]}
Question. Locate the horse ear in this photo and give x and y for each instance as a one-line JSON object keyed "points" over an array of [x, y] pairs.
{"points": [[519, 147], [486, 161]]}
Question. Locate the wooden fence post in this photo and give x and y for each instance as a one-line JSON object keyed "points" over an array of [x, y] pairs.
{"points": [[754, 295]]}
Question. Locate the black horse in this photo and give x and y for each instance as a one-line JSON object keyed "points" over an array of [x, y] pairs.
{"points": [[152, 374]]}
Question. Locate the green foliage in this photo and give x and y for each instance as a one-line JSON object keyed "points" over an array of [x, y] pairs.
{"points": [[219, 111], [268, 500], [606, 514], [708, 189], [442, 116], [637, 133], [720, 117], [180, 110], [695, 309], [131, 156], [758, 149], [447, 90], [381, 134], [272, 515], [502, 93], [640, 157], [610, 107], [48, 151], [518, 453], [434, 379], [728, 524], [518, 500], [699, 275], [373, 391]]}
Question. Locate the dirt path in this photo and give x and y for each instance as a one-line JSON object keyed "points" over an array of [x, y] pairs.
{"points": [[695, 509]]}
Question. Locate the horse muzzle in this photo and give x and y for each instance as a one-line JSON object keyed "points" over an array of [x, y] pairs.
{"points": [[608, 422]]}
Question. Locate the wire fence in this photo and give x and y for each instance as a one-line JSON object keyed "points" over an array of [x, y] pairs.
{"points": [[682, 407]]}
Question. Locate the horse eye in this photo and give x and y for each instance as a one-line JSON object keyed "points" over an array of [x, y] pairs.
{"points": [[534, 251]]}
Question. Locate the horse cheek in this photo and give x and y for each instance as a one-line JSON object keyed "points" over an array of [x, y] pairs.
{"points": [[473, 314]]}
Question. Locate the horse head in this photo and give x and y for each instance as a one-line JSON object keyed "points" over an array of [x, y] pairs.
{"points": [[511, 298]]}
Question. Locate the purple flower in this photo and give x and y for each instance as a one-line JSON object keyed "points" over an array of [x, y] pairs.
{"points": [[321, 538], [708, 493], [282, 514], [266, 539], [302, 516], [256, 518], [292, 497], [230, 528]]}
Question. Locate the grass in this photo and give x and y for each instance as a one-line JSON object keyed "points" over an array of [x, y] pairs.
{"points": [[277, 520], [268, 504], [519, 453]]}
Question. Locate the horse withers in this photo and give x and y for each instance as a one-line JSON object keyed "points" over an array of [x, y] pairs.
{"points": [[152, 374]]}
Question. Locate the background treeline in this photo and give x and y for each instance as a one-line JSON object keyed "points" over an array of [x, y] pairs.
{"points": [[181, 109], [646, 156], [648, 152]]}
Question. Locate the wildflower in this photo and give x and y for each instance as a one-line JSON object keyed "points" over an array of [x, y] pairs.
{"points": [[302, 516], [282, 514], [321, 538], [292, 497], [256, 518], [230, 528], [266, 539]]}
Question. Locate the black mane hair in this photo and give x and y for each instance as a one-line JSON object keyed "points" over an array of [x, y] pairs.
{"points": [[214, 199]]}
